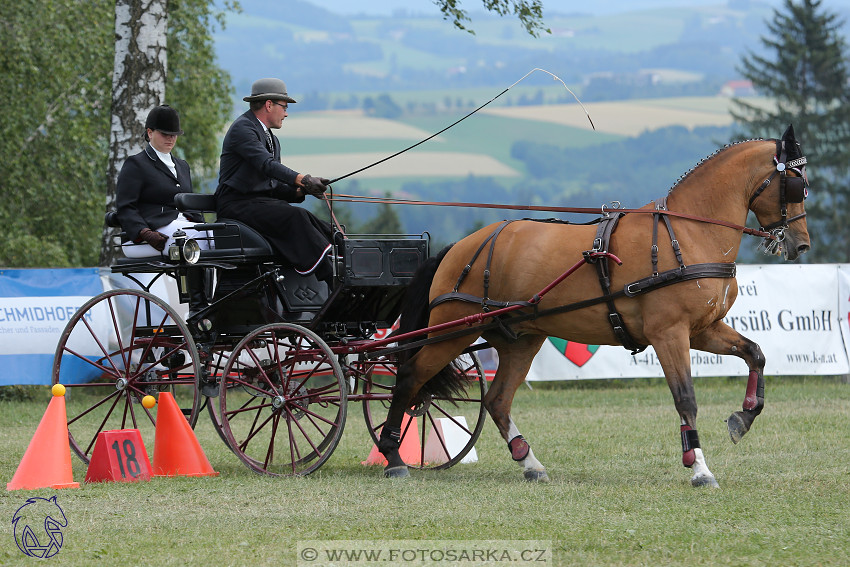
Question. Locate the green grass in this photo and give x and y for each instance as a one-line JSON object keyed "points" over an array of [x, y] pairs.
{"points": [[618, 496]]}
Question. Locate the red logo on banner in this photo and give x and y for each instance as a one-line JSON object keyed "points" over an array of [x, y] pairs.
{"points": [[576, 353]]}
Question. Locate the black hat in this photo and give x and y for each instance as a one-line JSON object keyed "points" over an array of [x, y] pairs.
{"points": [[165, 119], [268, 89]]}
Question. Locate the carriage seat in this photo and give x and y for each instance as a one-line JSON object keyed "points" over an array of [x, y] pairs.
{"points": [[234, 238]]}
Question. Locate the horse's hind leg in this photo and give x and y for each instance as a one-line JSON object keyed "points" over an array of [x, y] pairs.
{"points": [[671, 347], [412, 376], [720, 338], [514, 361]]}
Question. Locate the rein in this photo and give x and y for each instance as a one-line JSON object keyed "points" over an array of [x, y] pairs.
{"points": [[343, 198]]}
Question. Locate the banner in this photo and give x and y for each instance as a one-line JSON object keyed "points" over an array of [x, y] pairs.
{"points": [[35, 306], [791, 311], [798, 314]]}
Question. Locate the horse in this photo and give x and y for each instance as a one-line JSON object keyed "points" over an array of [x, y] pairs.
{"points": [[681, 305]]}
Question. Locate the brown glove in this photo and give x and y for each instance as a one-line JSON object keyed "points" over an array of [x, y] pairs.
{"points": [[154, 238], [314, 186]]}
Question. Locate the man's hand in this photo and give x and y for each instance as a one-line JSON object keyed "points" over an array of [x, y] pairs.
{"points": [[154, 238], [315, 186]]}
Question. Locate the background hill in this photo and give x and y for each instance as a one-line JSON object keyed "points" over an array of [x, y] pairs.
{"points": [[374, 80]]}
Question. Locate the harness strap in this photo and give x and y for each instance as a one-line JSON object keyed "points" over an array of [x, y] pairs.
{"points": [[600, 244], [684, 273], [492, 240], [469, 298], [661, 205], [694, 271]]}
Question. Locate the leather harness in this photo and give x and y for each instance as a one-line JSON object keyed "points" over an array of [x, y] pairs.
{"points": [[597, 256]]}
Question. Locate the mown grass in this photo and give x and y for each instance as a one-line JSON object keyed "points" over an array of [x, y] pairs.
{"points": [[618, 494]]}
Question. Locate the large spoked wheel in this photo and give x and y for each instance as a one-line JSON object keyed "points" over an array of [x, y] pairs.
{"points": [[118, 347], [283, 400], [461, 418]]}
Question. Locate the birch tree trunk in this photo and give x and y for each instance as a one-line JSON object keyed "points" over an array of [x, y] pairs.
{"points": [[138, 85]]}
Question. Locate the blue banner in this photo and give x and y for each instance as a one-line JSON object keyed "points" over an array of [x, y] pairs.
{"points": [[35, 307]]}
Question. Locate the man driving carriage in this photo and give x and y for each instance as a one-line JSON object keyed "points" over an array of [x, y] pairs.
{"points": [[257, 189]]}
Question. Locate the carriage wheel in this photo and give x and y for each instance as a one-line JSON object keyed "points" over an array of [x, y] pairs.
{"points": [[378, 385], [118, 347], [283, 400]]}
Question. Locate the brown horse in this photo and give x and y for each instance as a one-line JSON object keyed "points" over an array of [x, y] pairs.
{"points": [[681, 305]]}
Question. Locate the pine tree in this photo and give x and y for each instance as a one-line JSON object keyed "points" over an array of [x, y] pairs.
{"points": [[806, 76]]}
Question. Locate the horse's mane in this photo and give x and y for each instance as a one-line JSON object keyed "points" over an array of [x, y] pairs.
{"points": [[688, 173]]}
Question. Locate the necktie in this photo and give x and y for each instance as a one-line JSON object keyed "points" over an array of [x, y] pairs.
{"points": [[269, 141]]}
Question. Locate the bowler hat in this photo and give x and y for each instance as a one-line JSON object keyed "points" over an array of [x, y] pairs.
{"points": [[165, 119], [268, 89]]}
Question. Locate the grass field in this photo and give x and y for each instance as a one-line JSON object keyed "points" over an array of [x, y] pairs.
{"points": [[618, 495]]}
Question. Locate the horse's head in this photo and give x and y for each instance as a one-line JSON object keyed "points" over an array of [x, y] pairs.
{"points": [[779, 202]]}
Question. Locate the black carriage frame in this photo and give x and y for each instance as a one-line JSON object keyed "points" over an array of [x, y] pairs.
{"points": [[275, 357]]}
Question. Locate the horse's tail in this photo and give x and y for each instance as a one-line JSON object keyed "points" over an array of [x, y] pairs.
{"points": [[414, 315]]}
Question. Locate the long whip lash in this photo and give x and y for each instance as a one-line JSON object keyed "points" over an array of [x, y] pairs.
{"points": [[456, 122]]}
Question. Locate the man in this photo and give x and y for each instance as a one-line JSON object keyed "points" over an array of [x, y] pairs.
{"points": [[254, 187]]}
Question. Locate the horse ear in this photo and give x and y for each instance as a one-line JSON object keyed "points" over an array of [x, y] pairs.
{"points": [[788, 136]]}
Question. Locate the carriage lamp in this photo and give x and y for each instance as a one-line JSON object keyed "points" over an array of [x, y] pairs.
{"points": [[184, 249]]}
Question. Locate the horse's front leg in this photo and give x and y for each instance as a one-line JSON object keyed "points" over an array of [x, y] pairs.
{"points": [[674, 356], [720, 338]]}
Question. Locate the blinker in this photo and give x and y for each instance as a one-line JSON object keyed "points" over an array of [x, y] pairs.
{"points": [[795, 189]]}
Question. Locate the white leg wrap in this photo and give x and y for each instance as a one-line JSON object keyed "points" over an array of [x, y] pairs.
{"points": [[702, 476]]}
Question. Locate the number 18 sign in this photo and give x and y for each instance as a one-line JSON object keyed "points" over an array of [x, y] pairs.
{"points": [[119, 456]]}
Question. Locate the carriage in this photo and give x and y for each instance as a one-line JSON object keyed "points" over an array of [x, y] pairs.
{"points": [[275, 359]]}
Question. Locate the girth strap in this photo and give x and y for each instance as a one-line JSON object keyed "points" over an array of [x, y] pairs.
{"points": [[676, 275]]}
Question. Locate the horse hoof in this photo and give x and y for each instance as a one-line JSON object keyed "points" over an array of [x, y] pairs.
{"points": [[737, 427], [705, 480], [536, 476], [396, 472]]}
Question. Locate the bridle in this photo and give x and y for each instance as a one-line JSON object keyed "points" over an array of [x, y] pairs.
{"points": [[791, 190]]}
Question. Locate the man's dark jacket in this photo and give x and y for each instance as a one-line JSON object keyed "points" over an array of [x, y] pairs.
{"points": [[248, 169]]}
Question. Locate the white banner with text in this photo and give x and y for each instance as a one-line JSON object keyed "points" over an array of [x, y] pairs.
{"points": [[798, 315]]}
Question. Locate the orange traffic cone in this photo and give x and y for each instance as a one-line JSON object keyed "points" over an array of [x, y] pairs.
{"points": [[410, 449], [47, 460], [176, 451]]}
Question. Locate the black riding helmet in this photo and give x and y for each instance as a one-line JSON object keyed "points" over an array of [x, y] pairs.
{"points": [[165, 119]]}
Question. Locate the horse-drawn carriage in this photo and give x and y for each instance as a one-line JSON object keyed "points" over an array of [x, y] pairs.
{"points": [[275, 358]]}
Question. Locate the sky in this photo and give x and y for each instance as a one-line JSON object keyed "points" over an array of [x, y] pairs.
{"points": [[387, 7]]}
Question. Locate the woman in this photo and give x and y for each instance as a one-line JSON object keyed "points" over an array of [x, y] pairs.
{"points": [[146, 188], [145, 192]]}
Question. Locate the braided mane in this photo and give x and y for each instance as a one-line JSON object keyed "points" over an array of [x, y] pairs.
{"points": [[707, 158]]}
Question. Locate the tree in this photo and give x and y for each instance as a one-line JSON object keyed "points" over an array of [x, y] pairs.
{"points": [[385, 221], [55, 119], [529, 12], [141, 81], [806, 75], [54, 123], [138, 85]]}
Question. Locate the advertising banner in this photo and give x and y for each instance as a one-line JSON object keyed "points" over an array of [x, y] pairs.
{"points": [[793, 312], [35, 306]]}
